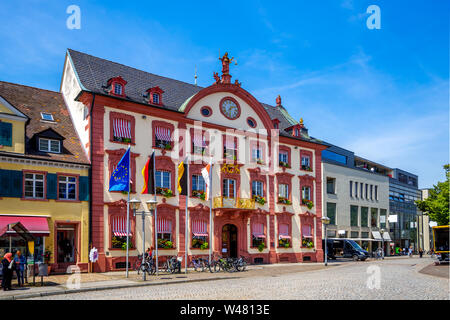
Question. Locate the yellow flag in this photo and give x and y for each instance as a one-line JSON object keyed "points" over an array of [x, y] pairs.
{"points": [[31, 247], [180, 175]]}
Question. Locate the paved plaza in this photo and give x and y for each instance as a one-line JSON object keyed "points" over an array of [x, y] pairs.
{"points": [[387, 279]]}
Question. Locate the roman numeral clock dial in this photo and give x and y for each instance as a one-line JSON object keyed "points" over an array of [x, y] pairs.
{"points": [[230, 109]]}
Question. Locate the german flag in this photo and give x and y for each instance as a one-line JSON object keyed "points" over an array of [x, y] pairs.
{"points": [[148, 174]]}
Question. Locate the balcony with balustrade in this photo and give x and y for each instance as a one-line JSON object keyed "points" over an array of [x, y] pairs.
{"points": [[233, 203]]}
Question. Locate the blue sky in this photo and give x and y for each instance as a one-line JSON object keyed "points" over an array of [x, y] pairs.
{"points": [[383, 94]]}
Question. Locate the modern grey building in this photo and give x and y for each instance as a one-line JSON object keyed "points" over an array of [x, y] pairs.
{"points": [[355, 198], [403, 192]]}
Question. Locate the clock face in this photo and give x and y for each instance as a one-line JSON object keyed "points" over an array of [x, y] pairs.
{"points": [[230, 109]]}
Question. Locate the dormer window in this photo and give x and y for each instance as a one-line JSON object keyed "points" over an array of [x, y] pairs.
{"points": [[154, 96], [49, 145], [276, 123], [118, 89], [47, 116], [116, 86], [5, 134]]}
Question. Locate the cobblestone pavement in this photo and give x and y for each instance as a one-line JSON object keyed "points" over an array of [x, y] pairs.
{"points": [[399, 279], [440, 270]]}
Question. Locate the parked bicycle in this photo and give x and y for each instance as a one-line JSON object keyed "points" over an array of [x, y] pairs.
{"points": [[213, 266], [148, 266], [199, 264], [240, 264], [225, 264], [138, 262], [173, 264]]}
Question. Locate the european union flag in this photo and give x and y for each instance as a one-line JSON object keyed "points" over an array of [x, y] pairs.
{"points": [[120, 178]]}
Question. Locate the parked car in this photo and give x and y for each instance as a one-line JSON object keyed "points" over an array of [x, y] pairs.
{"points": [[345, 248]]}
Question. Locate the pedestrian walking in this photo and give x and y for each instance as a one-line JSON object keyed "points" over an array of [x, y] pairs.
{"points": [[410, 252], [420, 252], [379, 253], [20, 261], [8, 269]]}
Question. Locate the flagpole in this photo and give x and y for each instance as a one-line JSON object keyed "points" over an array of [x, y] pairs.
{"points": [[210, 211], [186, 218], [156, 212], [128, 209]]}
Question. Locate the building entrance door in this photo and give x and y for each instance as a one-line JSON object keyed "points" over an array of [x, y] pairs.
{"points": [[229, 241], [66, 245]]}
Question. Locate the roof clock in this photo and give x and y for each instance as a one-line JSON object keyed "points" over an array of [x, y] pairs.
{"points": [[230, 108]]}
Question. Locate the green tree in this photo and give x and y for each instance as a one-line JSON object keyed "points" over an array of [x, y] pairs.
{"points": [[436, 206]]}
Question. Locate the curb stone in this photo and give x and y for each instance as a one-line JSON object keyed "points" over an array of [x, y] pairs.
{"points": [[111, 287]]}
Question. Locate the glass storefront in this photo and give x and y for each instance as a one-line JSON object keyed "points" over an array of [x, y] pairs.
{"points": [[14, 243]]}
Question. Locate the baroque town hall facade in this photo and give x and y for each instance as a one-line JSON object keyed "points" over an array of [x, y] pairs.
{"points": [[266, 169]]}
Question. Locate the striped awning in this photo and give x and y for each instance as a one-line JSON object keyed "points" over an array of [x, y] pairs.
{"points": [[122, 128], [258, 230], [284, 231], [119, 227], [163, 134], [306, 231], [199, 228], [199, 141], [164, 226]]}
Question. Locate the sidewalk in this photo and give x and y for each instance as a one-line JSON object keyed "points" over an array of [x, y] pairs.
{"points": [[57, 284]]}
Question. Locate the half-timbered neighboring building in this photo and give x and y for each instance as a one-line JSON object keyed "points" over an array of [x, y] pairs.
{"points": [[266, 169]]}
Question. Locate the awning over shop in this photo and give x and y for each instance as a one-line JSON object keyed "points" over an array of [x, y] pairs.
{"points": [[386, 236], [20, 231], [376, 235], [37, 226]]}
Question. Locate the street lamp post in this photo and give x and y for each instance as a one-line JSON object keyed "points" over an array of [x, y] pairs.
{"points": [[325, 221], [382, 243], [135, 205]]}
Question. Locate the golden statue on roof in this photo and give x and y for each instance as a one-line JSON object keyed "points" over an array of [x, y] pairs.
{"points": [[226, 63]]}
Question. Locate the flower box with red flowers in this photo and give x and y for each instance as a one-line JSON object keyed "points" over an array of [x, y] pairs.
{"points": [[283, 200], [308, 203], [165, 192], [199, 194], [260, 200]]}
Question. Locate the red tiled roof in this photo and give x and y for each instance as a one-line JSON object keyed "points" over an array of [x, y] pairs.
{"points": [[32, 101]]}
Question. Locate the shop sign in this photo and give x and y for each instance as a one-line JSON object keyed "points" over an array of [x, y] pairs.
{"points": [[392, 218], [43, 269]]}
